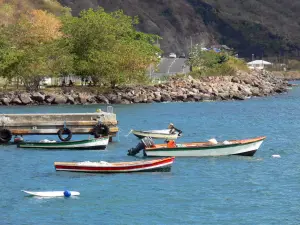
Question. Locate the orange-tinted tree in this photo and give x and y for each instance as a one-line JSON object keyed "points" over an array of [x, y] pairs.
{"points": [[32, 49]]}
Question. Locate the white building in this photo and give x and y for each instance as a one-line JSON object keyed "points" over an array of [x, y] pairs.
{"points": [[258, 64]]}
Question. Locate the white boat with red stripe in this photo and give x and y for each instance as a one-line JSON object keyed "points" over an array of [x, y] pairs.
{"points": [[162, 165]]}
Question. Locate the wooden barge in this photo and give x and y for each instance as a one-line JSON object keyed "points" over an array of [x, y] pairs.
{"points": [[98, 124]]}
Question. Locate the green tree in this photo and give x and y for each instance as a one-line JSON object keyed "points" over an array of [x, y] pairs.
{"points": [[107, 47]]}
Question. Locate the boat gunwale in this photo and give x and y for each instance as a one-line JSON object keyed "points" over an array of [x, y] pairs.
{"points": [[118, 164]]}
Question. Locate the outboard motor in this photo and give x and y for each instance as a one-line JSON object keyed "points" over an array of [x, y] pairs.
{"points": [[146, 142]]}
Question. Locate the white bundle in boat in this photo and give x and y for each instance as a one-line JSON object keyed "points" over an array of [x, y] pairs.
{"points": [[47, 141], [104, 163], [89, 163], [4, 120], [226, 142], [213, 141]]}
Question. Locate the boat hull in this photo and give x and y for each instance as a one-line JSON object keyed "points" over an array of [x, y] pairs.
{"points": [[93, 144], [162, 165], [155, 134], [50, 193], [244, 149]]}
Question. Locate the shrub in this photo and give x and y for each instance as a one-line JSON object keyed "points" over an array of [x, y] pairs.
{"points": [[293, 64], [210, 63]]}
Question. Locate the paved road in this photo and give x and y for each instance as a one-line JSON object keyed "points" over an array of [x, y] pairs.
{"points": [[169, 66]]}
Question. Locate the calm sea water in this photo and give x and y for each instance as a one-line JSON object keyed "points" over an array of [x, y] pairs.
{"points": [[215, 190]]}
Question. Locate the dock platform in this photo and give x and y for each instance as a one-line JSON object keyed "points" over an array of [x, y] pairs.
{"points": [[100, 123]]}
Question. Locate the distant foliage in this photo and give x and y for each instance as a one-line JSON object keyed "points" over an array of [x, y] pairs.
{"points": [[211, 63], [7, 13]]}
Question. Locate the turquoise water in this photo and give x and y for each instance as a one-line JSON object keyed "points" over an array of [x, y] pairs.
{"points": [[216, 190]]}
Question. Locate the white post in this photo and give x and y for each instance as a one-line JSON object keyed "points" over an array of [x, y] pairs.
{"points": [[150, 70]]}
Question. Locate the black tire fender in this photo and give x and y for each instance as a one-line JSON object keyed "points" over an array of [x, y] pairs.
{"points": [[5, 135], [100, 130], [63, 131]]}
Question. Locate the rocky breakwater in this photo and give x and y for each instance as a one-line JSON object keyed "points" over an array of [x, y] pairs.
{"points": [[215, 88]]}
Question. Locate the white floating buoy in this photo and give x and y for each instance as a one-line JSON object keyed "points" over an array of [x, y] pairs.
{"points": [[276, 156]]}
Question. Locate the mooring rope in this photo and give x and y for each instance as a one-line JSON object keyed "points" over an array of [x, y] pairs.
{"points": [[128, 133]]}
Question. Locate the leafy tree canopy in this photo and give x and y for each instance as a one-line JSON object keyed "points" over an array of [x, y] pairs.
{"points": [[107, 46]]}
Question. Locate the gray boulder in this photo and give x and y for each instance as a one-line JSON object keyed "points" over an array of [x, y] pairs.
{"points": [[143, 98], [127, 96], [182, 97], [223, 96], [117, 100], [92, 100], [137, 99], [25, 98], [245, 90], [206, 97], [102, 99], [238, 96], [16, 101], [37, 97], [5, 101], [70, 100], [50, 98], [165, 97], [235, 80], [111, 97], [60, 99], [157, 96], [82, 98], [197, 97], [125, 101]]}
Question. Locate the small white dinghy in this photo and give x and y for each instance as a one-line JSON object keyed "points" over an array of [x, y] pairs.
{"points": [[156, 134], [52, 193]]}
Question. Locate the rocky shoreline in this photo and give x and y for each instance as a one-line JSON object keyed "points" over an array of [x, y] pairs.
{"points": [[216, 88]]}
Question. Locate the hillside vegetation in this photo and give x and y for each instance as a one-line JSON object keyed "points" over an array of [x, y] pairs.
{"points": [[103, 47], [11, 10], [260, 27]]}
